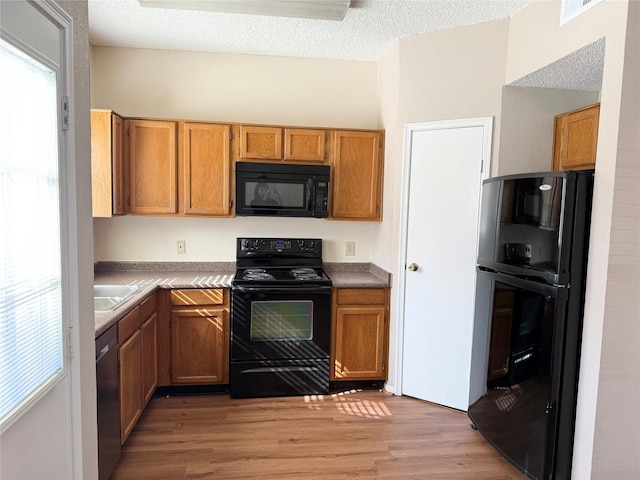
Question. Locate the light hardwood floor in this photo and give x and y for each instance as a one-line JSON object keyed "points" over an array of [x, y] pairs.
{"points": [[359, 434]]}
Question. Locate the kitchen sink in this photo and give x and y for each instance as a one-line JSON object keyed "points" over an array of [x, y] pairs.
{"points": [[108, 297]]}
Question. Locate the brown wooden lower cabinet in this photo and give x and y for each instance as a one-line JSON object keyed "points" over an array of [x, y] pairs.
{"points": [[130, 357], [149, 336], [199, 336], [138, 362], [360, 333]]}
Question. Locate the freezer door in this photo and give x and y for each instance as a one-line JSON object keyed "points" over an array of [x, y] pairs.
{"points": [[526, 325]]}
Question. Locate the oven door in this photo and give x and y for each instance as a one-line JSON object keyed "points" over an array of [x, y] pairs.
{"points": [[284, 322]]}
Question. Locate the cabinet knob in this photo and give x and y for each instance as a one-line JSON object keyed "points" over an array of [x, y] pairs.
{"points": [[412, 267]]}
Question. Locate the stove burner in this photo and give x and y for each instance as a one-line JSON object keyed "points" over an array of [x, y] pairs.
{"points": [[305, 273], [256, 274]]}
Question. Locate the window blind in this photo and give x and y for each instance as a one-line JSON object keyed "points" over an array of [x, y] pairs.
{"points": [[31, 327]]}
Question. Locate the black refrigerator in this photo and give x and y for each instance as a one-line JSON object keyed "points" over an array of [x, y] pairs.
{"points": [[531, 269]]}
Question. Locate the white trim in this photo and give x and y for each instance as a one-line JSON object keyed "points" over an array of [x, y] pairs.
{"points": [[69, 229], [409, 130]]}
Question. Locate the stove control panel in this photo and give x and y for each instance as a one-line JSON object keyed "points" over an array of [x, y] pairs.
{"points": [[291, 246], [280, 245]]}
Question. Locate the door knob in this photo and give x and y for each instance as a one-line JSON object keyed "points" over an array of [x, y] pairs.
{"points": [[413, 267]]}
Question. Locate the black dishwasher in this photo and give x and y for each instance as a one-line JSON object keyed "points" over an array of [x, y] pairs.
{"points": [[108, 402]]}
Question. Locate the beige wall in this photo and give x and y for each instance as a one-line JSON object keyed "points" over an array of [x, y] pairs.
{"points": [[386, 237], [234, 88], [617, 424], [153, 239]]}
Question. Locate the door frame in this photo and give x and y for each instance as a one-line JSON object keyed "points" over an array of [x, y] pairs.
{"points": [[409, 130]]}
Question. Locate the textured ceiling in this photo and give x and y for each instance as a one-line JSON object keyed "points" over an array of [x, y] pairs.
{"points": [[580, 70], [367, 31]]}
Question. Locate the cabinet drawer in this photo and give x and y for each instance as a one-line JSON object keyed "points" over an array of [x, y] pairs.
{"points": [[190, 296], [148, 307], [361, 296], [129, 324]]}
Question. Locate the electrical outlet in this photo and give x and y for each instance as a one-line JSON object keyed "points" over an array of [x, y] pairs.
{"points": [[351, 249], [182, 247]]}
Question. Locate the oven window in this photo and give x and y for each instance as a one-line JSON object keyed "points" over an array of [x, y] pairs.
{"points": [[277, 194], [282, 320]]}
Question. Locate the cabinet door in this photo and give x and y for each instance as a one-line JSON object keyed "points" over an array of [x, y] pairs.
{"points": [[152, 157], [357, 176], [576, 139], [359, 343], [304, 145], [260, 143], [149, 340], [199, 346], [206, 169], [107, 164], [130, 358]]}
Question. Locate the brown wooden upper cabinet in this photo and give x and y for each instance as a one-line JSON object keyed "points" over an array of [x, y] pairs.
{"points": [[304, 145], [576, 139], [357, 176], [260, 143], [206, 169], [153, 159], [178, 167], [107, 164]]}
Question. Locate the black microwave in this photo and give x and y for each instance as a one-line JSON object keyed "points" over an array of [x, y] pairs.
{"points": [[281, 189]]}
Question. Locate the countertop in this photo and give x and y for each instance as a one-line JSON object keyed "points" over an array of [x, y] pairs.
{"points": [[150, 276]]}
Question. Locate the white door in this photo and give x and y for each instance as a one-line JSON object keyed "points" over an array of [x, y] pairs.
{"points": [[443, 177], [37, 309]]}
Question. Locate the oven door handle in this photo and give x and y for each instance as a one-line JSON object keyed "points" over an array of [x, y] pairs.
{"points": [[322, 289]]}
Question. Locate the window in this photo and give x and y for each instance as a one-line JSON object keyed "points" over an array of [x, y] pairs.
{"points": [[31, 326], [572, 8]]}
